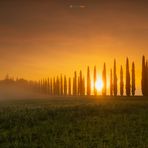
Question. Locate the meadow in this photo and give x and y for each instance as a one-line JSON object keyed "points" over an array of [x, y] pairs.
{"points": [[76, 122]]}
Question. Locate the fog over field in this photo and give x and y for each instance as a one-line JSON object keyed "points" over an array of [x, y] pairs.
{"points": [[16, 92]]}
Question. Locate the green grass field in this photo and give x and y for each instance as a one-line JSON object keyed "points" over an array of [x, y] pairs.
{"points": [[76, 122]]}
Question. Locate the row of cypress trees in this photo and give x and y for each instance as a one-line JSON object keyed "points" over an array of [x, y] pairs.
{"points": [[78, 85], [130, 86]]}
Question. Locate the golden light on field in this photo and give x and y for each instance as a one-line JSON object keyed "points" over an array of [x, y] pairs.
{"points": [[99, 85]]}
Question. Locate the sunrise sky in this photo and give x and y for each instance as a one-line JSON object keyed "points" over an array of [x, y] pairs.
{"points": [[41, 38]]}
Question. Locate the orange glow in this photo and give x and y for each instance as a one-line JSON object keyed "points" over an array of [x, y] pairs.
{"points": [[50, 45], [99, 85]]}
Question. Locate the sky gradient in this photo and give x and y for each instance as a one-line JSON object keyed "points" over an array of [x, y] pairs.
{"points": [[40, 38]]}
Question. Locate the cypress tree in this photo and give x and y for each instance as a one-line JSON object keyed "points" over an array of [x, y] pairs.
{"points": [[54, 87], [111, 83], [56, 92], [95, 79], [51, 87], [44, 86], [127, 78], [83, 86], [88, 81], [40, 84], [146, 79], [61, 87], [121, 82], [73, 87], [115, 79], [65, 86], [81, 83], [69, 87], [58, 86], [143, 82], [47, 86], [133, 79], [78, 85], [104, 80], [75, 83]]}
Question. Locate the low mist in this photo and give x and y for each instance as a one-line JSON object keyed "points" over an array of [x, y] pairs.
{"points": [[16, 92]]}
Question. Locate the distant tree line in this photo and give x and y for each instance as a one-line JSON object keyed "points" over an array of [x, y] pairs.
{"points": [[78, 85]]}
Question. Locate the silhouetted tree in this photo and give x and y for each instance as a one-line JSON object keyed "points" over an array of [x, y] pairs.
{"points": [[47, 86], [104, 80], [88, 81], [69, 86], [58, 86], [115, 79], [83, 86], [54, 87], [133, 79], [75, 83], [95, 79], [111, 83], [146, 78], [40, 86], [121, 82], [73, 90], [65, 86], [51, 87], [44, 85], [78, 85], [127, 78], [81, 83], [61, 87], [143, 82]]}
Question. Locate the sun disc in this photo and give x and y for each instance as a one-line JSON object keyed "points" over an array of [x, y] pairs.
{"points": [[99, 85]]}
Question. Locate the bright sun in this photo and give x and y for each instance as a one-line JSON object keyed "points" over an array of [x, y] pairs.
{"points": [[99, 85]]}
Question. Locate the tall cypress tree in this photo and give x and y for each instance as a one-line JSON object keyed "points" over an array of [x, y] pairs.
{"points": [[133, 79], [115, 79], [111, 83], [104, 80], [61, 85], [128, 92], [73, 92], [65, 86], [69, 87], [58, 81], [51, 87], [78, 85], [54, 87], [81, 83], [40, 86], [121, 82], [143, 82], [48, 83], [75, 83], [88, 81], [146, 79], [83, 86], [43, 85], [95, 79]]}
